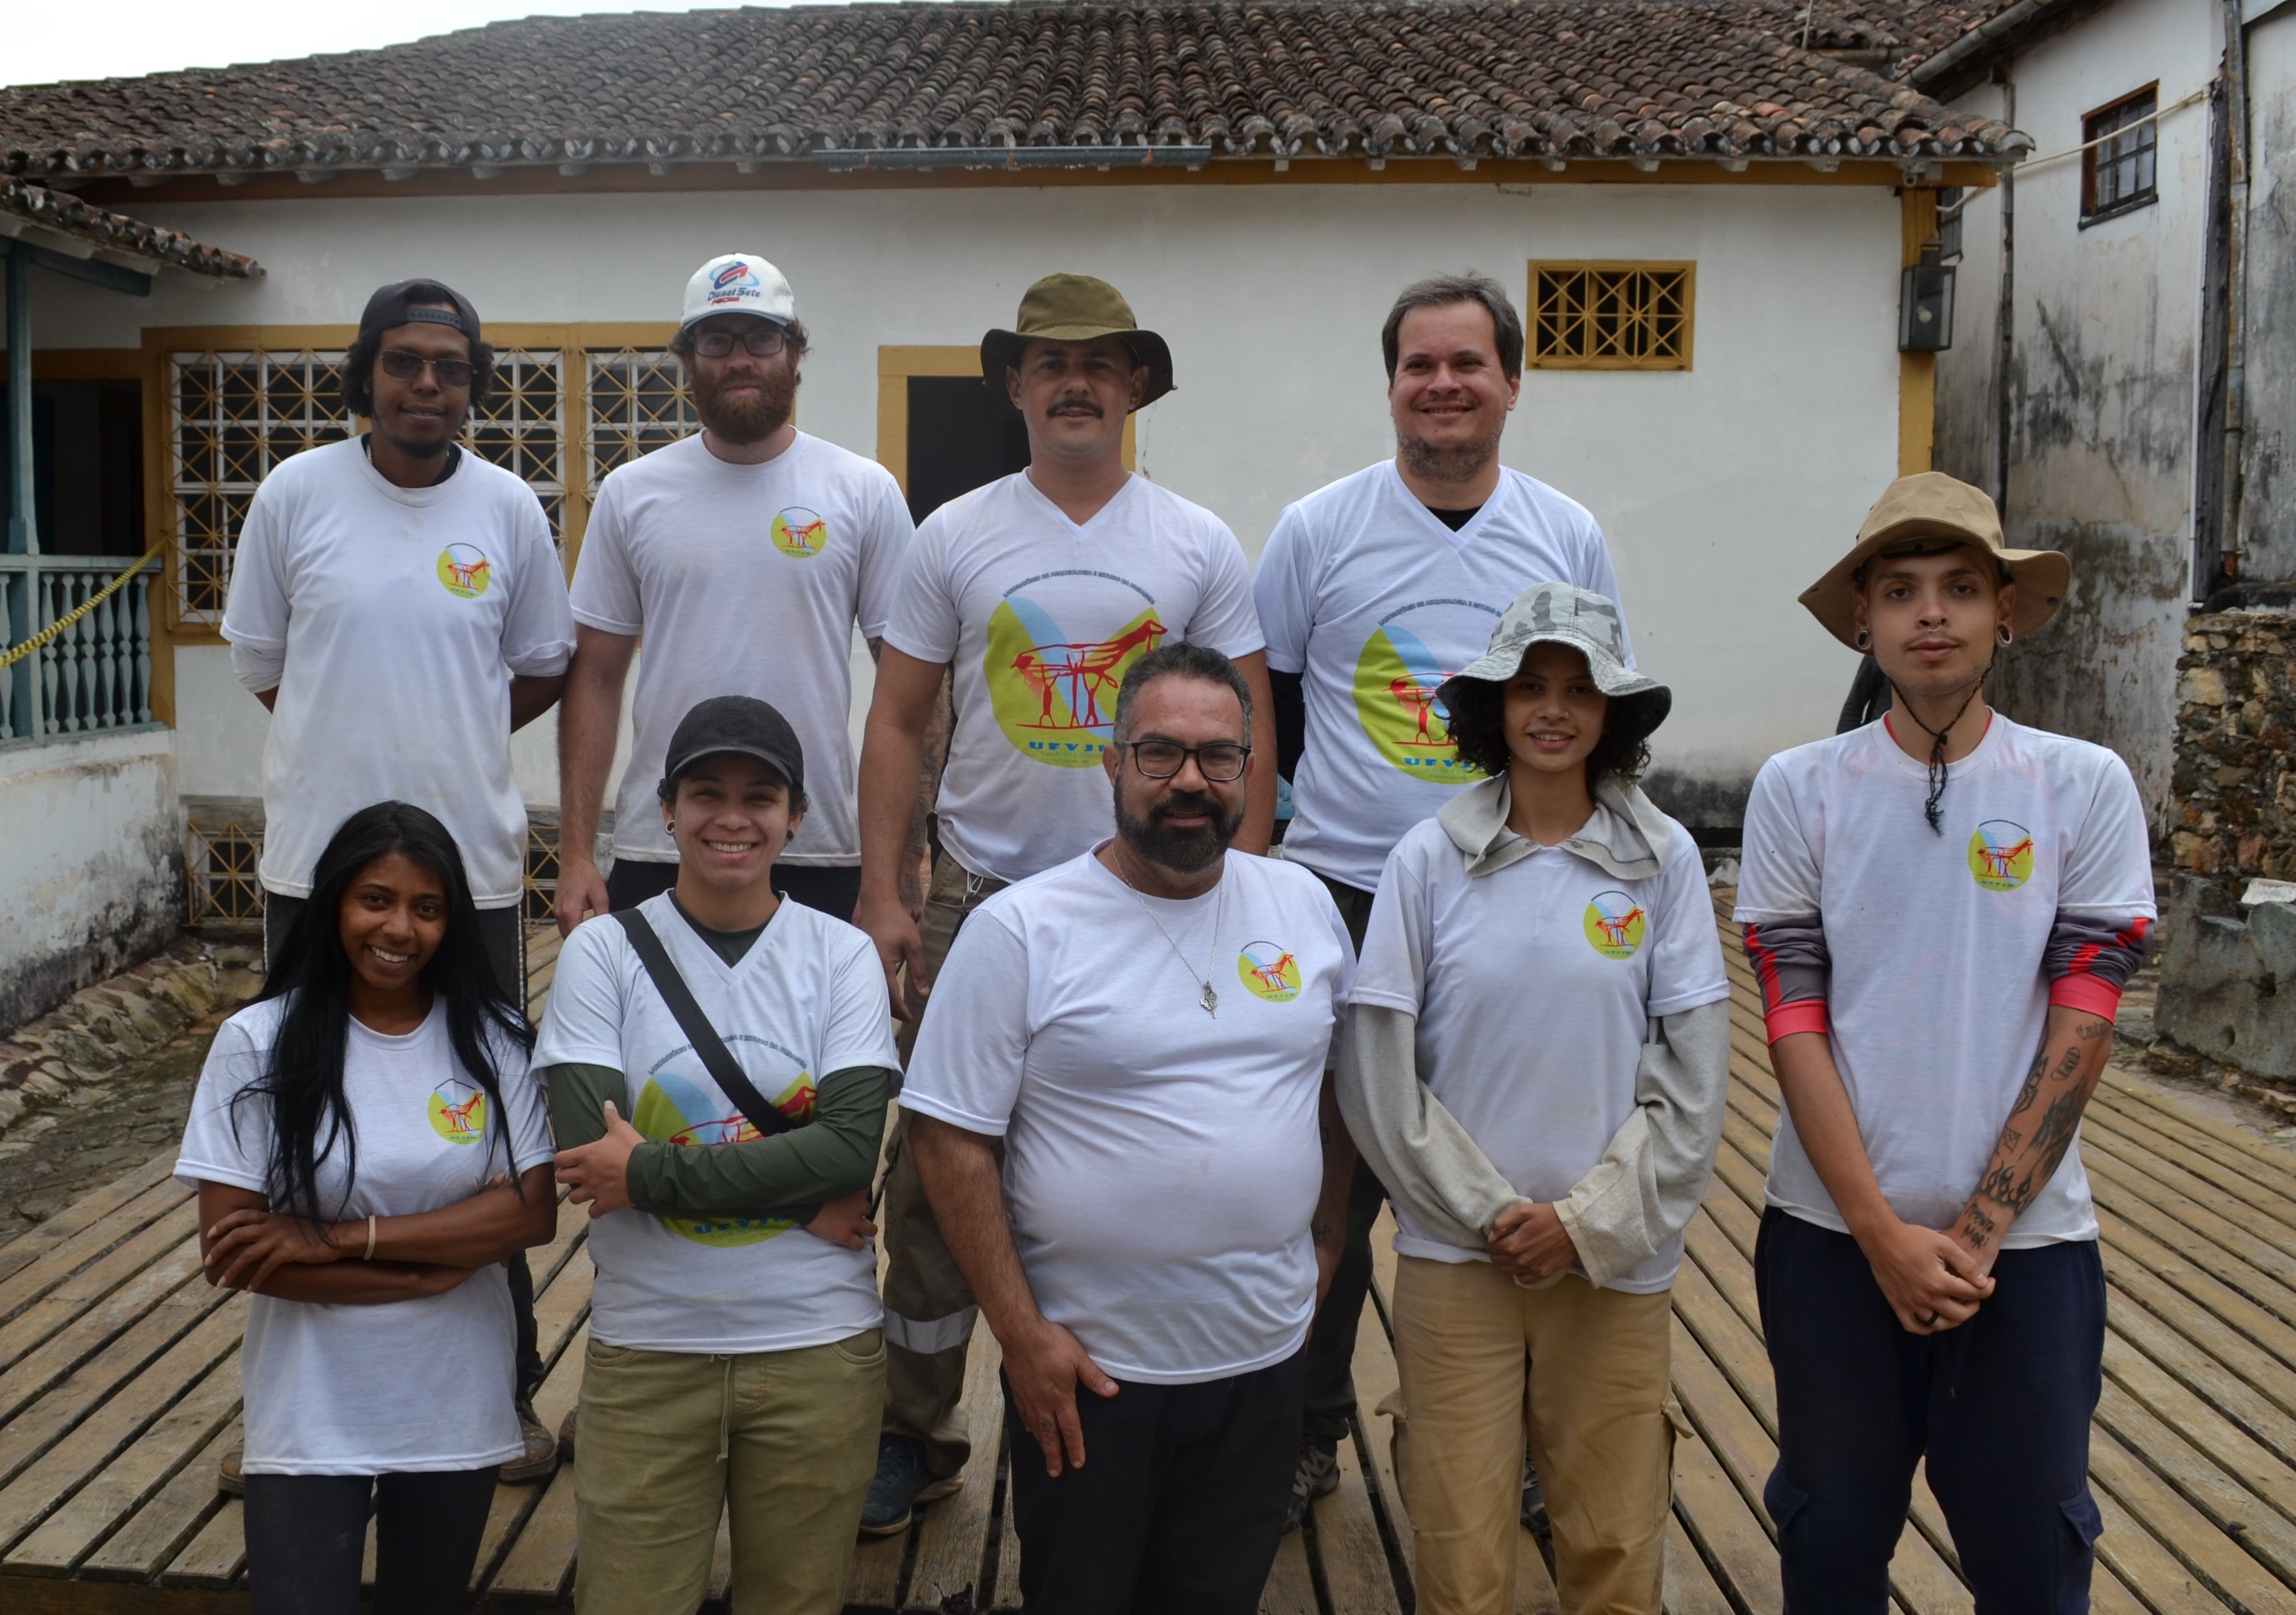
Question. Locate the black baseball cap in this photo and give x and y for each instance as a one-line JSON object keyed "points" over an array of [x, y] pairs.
{"points": [[388, 308], [734, 723]]}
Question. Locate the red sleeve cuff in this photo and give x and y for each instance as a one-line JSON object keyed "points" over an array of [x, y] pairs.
{"points": [[2081, 991], [1801, 1015]]}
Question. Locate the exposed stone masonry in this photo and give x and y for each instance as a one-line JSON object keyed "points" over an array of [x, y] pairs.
{"points": [[2232, 814]]}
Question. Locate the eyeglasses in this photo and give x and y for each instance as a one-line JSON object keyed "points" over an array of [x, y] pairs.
{"points": [[401, 365], [763, 341], [1219, 762]]}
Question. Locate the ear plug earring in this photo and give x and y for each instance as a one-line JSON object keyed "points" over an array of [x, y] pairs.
{"points": [[1862, 640]]}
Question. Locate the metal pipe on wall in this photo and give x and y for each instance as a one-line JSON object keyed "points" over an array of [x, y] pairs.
{"points": [[2236, 282], [23, 507], [2005, 325]]}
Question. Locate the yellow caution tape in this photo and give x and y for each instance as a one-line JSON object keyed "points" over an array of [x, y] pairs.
{"points": [[48, 634]]}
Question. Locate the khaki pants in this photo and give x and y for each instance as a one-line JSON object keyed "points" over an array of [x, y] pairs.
{"points": [[928, 1309], [785, 1441], [1582, 1372]]}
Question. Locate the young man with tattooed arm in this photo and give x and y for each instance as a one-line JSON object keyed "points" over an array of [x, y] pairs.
{"points": [[1941, 908]]}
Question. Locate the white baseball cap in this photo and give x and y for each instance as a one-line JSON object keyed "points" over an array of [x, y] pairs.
{"points": [[739, 282]]}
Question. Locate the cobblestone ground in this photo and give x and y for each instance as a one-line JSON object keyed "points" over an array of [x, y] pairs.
{"points": [[98, 1133]]}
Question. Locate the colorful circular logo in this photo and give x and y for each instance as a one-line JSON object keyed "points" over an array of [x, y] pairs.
{"points": [[1614, 925], [799, 533], [1268, 972], [1053, 675], [2000, 854], [1406, 658], [465, 570], [680, 1110], [458, 1111]]}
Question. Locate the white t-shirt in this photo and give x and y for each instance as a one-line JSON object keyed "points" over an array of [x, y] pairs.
{"points": [[1162, 1165], [1376, 602], [1535, 987], [1938, 999], [423, 1385], [745, 580], [1042, 620], [807, 999], [390, 621]]}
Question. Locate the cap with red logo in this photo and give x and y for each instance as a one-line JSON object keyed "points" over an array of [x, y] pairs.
{"points": [[739, 282]]}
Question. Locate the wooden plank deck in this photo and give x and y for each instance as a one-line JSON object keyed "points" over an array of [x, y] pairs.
{"points": [[119, 1389]]}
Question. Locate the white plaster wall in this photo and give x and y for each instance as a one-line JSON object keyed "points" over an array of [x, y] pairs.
{"points": [[2268, 495], [92, 877], [1724, 491]]}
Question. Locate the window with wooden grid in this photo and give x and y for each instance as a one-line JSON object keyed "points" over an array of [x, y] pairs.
{"points": [[2119, 148], [1610, 316], [637, 403], [237, 415]]}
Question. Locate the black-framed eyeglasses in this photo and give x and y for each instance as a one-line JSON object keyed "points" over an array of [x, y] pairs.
{"points": [[1218, 762], [402, 365], [763, 340]]}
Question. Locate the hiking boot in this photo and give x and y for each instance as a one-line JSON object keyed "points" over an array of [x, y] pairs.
{"points": [[229, 1480], [541, 1460], [566, 1435], [1317, 1476], [1534, 1504], [903, 1481]]}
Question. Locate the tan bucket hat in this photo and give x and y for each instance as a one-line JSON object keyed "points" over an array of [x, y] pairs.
{"points": [[1932, 506], [1075, 308]]}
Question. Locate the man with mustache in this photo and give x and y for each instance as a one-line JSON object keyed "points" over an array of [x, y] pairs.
{"points": [[1148, 1028], [1032, 596], [1373, 591], [744, 554]]}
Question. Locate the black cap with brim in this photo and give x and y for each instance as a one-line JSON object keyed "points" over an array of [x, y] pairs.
{"points": [[389, 308], [740, 723]]}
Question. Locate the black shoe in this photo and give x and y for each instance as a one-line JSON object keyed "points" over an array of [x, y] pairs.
{"points": [[1534, 1503], [903, 1481], [1317, 1476]]}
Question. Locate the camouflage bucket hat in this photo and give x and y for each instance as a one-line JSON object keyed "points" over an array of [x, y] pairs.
{"points": [[1558, 613]]}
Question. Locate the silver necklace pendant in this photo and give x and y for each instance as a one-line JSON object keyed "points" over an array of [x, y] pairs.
{"points": [[1210, 1001]]}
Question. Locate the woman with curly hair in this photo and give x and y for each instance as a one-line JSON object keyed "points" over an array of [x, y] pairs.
{"points": [[1539, 1055], [369, 1150]]}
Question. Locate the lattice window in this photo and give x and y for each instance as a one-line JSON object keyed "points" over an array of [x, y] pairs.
{"points": [[1610, 316], [221, 853], [637, 403], [521, 427], [236, 416]]}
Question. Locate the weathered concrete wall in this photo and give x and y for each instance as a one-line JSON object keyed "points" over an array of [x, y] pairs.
{"points": [[2267, 524], [2221, 980], [2101, 379], [92, 877], [2233, 814]]}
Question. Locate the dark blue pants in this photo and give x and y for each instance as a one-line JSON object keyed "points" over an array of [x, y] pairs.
{"points": [[2000, 1408]]}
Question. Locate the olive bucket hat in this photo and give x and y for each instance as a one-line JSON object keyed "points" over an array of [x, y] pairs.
{"points": [[1925, 514], [1558, 613], [1076, 308]]}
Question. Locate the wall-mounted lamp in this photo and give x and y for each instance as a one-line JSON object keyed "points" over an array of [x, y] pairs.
{"points": [[1925, 306]]}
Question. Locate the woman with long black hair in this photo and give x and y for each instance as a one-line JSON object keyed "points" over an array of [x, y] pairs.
{"points": [[369, 1149]]}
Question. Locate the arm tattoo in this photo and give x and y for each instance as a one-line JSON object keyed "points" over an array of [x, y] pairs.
{"points": [[1977, 1228]]}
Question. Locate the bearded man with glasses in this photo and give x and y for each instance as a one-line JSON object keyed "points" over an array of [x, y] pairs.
{"points": [[1148, 1029], [397, 605], [746, 554]]}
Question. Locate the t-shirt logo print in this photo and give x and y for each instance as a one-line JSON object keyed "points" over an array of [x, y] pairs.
{"points": [[1614, 925], [1397, 676], [1269, 971], [465, 570], [678, 1109], [2000, 854], [458, 1111], [799, 533], [1052, 686]]}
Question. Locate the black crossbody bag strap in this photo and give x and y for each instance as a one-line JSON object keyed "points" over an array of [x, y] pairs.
{"points": [[724, 1069]]}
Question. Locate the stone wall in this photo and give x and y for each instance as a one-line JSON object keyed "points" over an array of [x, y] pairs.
{"points": [[2231, 815]]}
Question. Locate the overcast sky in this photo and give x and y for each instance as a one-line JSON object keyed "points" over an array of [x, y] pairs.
{"points": [[45, 42]]}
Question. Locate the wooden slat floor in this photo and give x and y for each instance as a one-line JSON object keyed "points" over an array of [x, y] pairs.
{"points": [[119, 1388]]}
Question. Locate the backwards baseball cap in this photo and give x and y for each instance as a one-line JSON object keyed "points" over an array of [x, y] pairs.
{"points": [[389, 308], [739, 282], [734, 723]]}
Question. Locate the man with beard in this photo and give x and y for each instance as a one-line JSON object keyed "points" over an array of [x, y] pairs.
{"points": [[1032, 596], [1148, 1028], [744, 554], [1373, 591], [397, 605]]}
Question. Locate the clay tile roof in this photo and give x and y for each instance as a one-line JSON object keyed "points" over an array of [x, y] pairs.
{"points": [[1571, 78], [67, 216]]}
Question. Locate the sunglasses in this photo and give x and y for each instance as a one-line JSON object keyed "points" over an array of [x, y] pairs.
{"points": [[400, 366], [763, 341]]}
